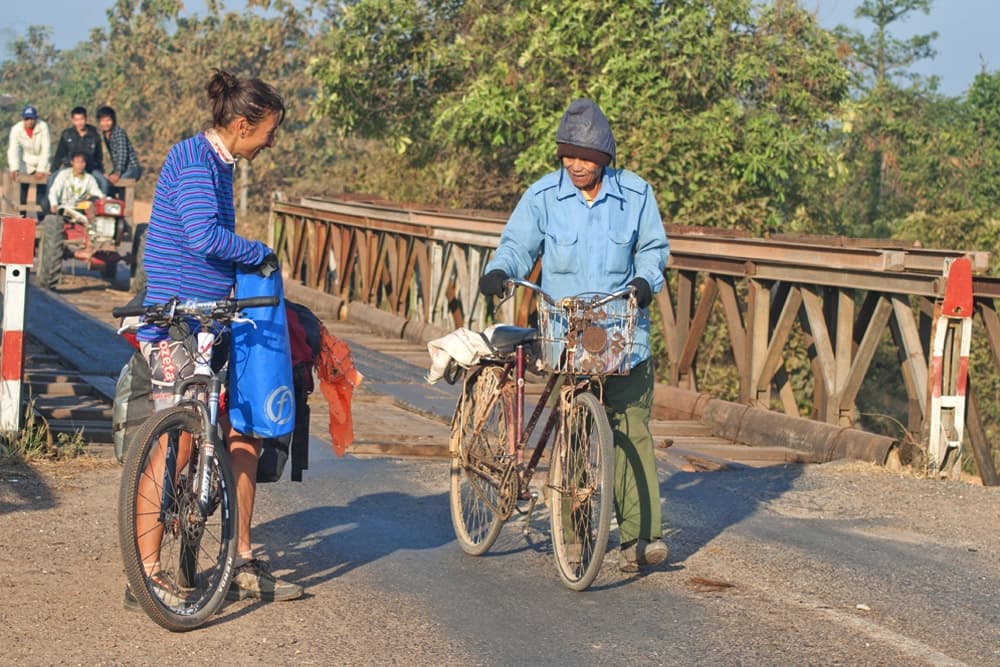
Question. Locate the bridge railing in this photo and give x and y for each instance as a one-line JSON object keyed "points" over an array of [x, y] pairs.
{"points": [[843, 297]]}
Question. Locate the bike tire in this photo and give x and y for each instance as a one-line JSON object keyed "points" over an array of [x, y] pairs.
{"points": [[195, 554], [483, 485], [581, 499]]}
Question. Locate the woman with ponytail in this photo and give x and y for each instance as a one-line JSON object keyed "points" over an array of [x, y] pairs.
{"points": [[192, 252]]}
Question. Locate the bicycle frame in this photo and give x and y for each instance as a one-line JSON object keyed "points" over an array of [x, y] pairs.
{"points": [[180, 450], [207, 408], [514, 368]]}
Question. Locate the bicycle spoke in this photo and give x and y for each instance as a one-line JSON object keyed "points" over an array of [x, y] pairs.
{"points": [[175, 556], [480, 471], [581, 481]]}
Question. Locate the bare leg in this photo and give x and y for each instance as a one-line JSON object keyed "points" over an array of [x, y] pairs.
{"points": [[149, 530], [244, 452]]}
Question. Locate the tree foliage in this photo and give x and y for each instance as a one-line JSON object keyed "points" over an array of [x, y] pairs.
{"points": [[740, 113], [881, 58], [742, 96], [887, 123], [152, 66]]}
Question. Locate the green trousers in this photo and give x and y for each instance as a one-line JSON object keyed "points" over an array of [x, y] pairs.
{"points": [[629, 399]]}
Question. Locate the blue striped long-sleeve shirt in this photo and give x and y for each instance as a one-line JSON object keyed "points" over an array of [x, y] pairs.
{"points": [[192, 248]]}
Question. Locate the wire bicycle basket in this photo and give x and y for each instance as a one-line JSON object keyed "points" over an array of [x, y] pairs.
{"points": [[588, 334]]}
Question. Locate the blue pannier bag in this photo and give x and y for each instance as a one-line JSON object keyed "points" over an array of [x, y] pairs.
{"points": [[261, 390]]}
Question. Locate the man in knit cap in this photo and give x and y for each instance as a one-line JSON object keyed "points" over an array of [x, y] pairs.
{"points": [[598, 229]]}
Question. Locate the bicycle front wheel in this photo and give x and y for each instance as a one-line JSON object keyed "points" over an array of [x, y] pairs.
{"points": [[581, 479], [178, 554], [483, 481]]}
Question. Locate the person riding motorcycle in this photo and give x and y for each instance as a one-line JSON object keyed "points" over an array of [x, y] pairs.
{"points": [[74, 185]]}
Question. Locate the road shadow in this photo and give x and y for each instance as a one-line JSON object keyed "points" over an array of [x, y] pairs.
{"points": [[699, 506], [22, 489], [75, 268], [322, 543], [80, 289]]}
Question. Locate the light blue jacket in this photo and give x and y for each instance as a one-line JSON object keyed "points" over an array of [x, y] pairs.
{"points": [[597, 248]]}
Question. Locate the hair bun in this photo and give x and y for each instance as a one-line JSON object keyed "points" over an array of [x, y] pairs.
{"points": [[229, 81]]}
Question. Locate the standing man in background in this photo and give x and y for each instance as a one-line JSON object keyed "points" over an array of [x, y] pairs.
{"points": [[81, 137], [28, 154]]}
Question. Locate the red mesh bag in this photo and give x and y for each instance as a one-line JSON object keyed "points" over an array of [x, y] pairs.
{"points": [[337, 379]]}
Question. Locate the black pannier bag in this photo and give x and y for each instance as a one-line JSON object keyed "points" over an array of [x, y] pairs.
{"points": [[133, 403], [304, 333], [275, 452]]}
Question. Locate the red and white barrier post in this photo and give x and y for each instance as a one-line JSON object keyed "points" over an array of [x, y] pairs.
{"points": [[949, 367], [17, 250]]}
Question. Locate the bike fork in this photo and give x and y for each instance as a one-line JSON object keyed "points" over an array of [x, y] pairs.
{"points": [[203, 480]]}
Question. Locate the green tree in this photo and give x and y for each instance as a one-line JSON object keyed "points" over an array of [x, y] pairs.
{"points": [[723, 106], [886, 117], [880, 58], [176, 55], [955, 176], [53, 81]]}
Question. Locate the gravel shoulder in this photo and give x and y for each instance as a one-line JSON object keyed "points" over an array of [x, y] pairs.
{"points": [[61, 588], [800, 546]]}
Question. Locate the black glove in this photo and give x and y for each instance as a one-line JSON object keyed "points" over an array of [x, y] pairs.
{"points": [[269, 265], [491, 284], [643, 294]]}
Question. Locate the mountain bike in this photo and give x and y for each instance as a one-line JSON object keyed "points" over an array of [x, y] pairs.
{"points": [[177, 501], [579, 341]]}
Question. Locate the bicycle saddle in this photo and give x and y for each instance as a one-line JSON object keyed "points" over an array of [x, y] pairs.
{"points": [[505, 337]]}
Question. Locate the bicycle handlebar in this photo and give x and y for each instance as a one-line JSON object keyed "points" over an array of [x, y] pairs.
{"points": [[511, 283], [220, 310]]}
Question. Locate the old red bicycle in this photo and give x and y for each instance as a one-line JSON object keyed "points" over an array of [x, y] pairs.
{"points": [[579, 341]]}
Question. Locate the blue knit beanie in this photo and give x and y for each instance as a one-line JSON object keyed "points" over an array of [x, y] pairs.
{"points": [[584, 132]]}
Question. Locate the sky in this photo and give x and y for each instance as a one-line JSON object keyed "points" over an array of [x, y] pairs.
{"points": [[966, 30]]}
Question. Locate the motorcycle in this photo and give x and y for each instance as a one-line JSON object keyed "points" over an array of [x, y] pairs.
{"points": [[93, 231]]}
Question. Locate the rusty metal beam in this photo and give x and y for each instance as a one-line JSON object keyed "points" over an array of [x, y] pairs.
{"points": [[425, 263], [857, 259], [866, 351]]}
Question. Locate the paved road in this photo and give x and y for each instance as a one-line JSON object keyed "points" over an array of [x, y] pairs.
{"points": [[821, 565], [793, 565], [787, 566]]}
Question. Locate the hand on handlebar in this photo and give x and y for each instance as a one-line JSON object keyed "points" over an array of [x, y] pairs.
{"points": [[643, 293], [492, 283]]}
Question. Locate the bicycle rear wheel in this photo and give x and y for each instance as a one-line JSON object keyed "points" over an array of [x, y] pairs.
{"points": [[581, 477], [178, 558], [483, 480]]}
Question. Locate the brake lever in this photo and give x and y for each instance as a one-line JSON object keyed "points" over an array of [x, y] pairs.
{"points": [[509, 288]]}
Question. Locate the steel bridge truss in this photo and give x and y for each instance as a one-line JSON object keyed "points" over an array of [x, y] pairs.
{"points": [[842, 298]]}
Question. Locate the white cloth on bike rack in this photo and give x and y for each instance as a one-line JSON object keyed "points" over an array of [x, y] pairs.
{"points": [[463, 345]]}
